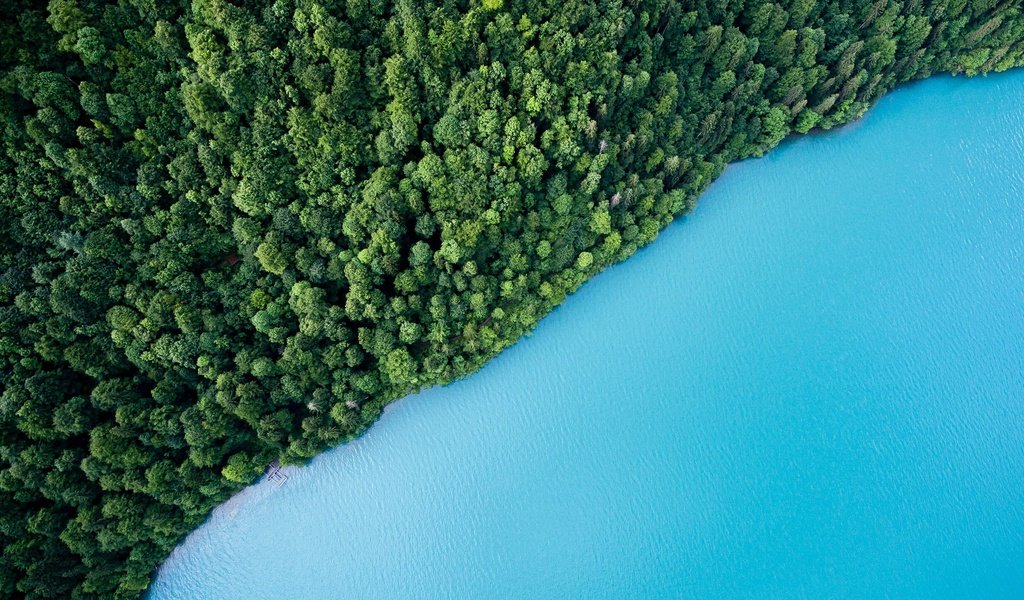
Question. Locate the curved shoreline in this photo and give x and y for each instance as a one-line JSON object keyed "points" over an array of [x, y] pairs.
{"points": [[403, 420]]}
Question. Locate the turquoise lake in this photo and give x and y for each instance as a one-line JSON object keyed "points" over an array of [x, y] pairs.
{"points": [[810, 388]]}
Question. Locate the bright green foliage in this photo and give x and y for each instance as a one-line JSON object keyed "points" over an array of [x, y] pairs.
{"points": [[231, 232]]}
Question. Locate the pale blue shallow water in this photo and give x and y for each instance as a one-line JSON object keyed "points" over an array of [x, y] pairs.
{"points": [[811, 388]]}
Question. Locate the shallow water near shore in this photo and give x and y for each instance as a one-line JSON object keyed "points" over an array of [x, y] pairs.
{"points": [[811, 387]]}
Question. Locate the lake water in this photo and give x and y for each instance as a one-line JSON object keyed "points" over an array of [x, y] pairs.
{"points": [[810, 388]]}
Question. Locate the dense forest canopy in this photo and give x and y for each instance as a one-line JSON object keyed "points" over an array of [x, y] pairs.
{"points": [[232, 232]]}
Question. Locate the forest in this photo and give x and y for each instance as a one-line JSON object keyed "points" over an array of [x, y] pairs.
{"points": [[232, 232]]}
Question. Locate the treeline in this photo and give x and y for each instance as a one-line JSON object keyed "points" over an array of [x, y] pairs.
{"points": [[231, 233]]}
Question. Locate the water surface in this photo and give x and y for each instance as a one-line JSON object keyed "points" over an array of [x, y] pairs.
{"points": [[810, 388]]}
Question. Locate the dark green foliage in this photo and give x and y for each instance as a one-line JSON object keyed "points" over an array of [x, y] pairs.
{"points": [[232, 233]]}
